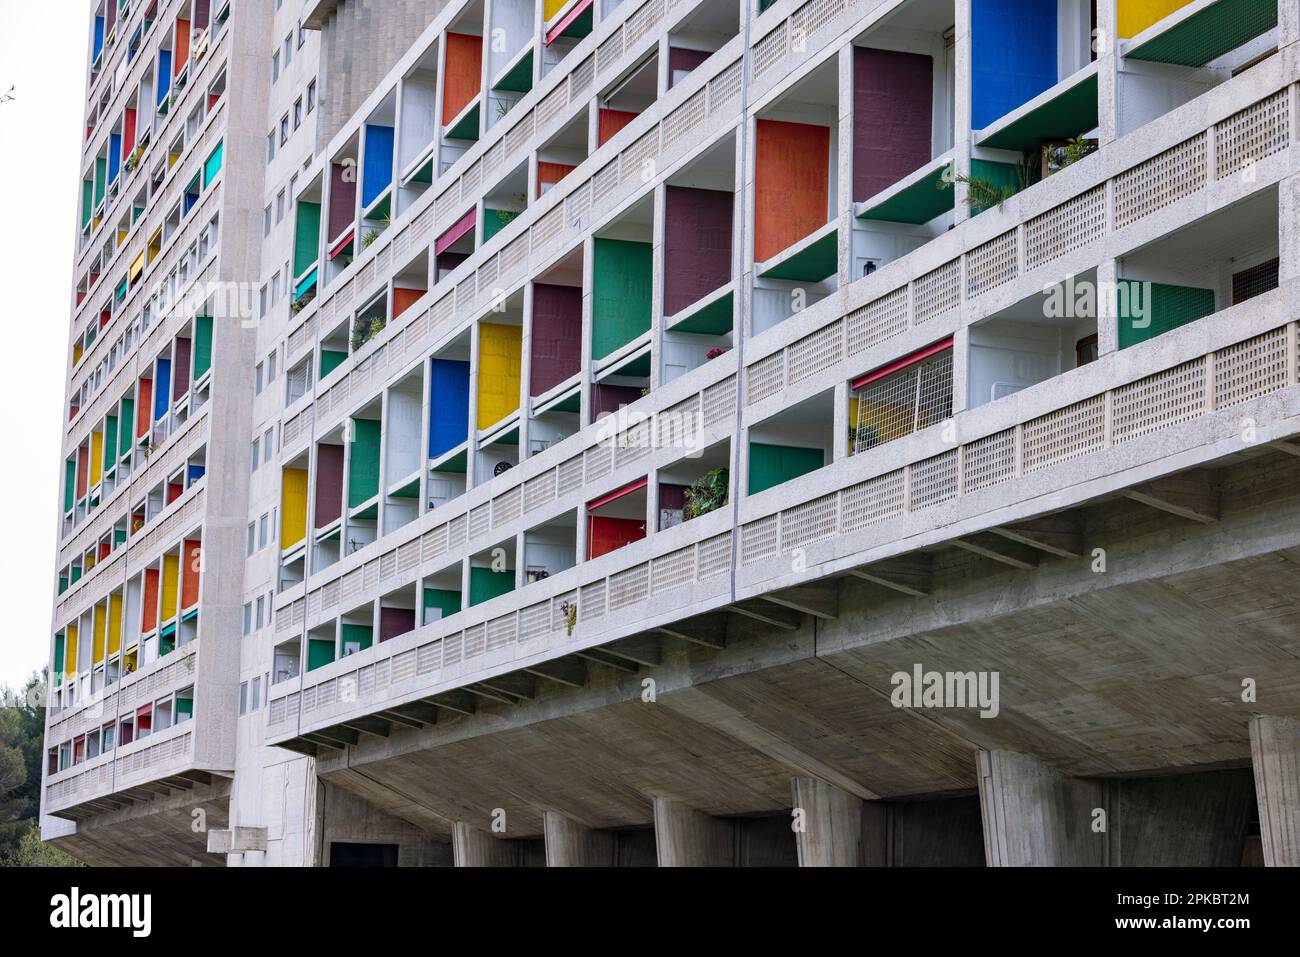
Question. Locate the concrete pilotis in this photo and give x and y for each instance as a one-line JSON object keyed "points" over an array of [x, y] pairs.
{"points": [[832, 832], [1275, 754], [685, 837], [1033, 815], [570, 844]]}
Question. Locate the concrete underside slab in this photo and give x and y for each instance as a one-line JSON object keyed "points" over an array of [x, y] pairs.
{"points": [[1134, 670], [1131, 671], [168, 831]]}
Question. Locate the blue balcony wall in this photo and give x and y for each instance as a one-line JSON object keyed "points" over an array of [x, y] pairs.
{"points": [[1014, 55]]}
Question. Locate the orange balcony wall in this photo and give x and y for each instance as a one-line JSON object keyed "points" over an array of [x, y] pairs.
{"points": [[463, 75], [791, 183], [611, 121]]}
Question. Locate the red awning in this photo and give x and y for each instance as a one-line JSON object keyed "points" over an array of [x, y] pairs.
{"points": [[448, 239], [903, 363], [617, 494], [569, 17], [342, 244]]}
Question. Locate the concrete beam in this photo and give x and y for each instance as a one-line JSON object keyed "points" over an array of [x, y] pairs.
{"points": [[1000, 550], [600, 657], [819, 599], [570, 671], [911, 574], [1055, 534], [1033, 815], [685, 837], [402, 720], [570, 844], [484, 691], [236, 840], [709, 631], [457, 702], [639, 649], [831, 833], [1193, 495], [1275, 755], [369, 725], [768, 614], [517, 684], [336, 736]]}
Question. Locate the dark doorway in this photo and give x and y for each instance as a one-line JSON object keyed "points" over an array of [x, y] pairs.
{"points": [[362, 855]]}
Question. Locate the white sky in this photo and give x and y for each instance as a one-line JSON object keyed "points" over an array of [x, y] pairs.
{"points": [[43, 50]]}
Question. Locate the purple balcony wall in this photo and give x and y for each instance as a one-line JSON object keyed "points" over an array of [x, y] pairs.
{"points": [[697, 244], [681, 60], [557, 335], [672, 496], [608, 398], [329, 484], [343, 199], [893, 96], [394, 622]]}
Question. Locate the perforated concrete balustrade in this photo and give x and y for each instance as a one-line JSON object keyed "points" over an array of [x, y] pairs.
{"points": [[199, 218], [1257, 132], [465, 526], [165, 532], [1266, 125], [180, 445], [429, 215], [211, 65], [126, 767], [1258, 366]]}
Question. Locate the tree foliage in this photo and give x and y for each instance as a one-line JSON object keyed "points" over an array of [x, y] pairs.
{"points": [[22, 737]]}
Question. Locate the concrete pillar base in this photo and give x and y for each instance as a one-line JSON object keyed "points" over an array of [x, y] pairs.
{"points": [[832, 831], [685, 837], [1275, 754], [471, 847], [1034, 816]]}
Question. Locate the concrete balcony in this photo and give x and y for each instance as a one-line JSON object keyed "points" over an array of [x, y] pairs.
{"points": [[996, 493]]}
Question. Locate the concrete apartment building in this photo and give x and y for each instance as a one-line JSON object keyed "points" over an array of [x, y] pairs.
{"points": [[634, 432]]}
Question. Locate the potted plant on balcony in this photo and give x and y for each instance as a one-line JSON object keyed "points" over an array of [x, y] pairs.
{"points": [[706, 493]]}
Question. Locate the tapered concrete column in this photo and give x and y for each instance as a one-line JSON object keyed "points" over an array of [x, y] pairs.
{"points": [[1034, 816], [831, 833], [570, 844], [471, 847], [685, 837], [1275, 753]]}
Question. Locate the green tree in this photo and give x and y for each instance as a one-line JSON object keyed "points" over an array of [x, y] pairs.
{"points": [[22, 741]]}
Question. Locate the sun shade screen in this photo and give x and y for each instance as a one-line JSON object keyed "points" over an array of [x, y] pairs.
{"points": [[306, 241], [329, 484]]}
